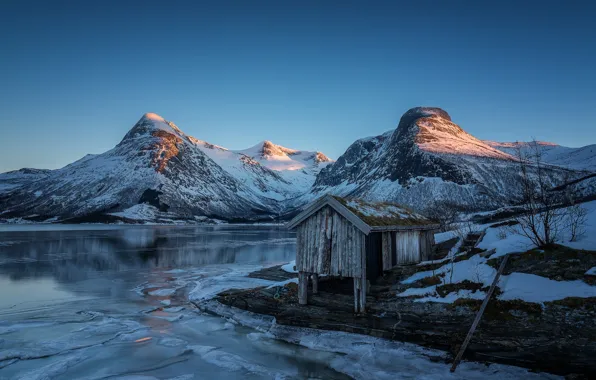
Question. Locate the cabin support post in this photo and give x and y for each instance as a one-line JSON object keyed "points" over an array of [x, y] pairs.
{"points": [[362, 295], [302, 288], [315, 283], [357, 286]]}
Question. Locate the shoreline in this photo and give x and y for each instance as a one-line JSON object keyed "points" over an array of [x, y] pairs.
{"points": [[503, 338]]}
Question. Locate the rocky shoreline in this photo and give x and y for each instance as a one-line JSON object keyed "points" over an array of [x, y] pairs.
{"points": [[554, 338]]}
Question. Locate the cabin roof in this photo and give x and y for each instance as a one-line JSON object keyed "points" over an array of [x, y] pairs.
{"points": [[368, 216]]}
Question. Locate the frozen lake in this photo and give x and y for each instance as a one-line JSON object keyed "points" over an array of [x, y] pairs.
{"points": [[112, 302], [83, 302]]}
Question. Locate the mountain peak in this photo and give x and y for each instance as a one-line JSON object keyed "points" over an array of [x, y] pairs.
{"points": [[419, 112], [150, 124], [271, 149], [320, 157], [153, 117], [433, 131]]}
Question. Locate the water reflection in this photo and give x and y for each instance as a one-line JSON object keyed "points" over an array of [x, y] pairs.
{"points": [[74, 255]]}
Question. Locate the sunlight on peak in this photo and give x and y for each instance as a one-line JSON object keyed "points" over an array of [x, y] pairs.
{"points": [[153, 116]]}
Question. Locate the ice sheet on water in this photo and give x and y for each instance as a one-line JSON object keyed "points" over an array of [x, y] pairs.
{"points": [[230, 277], [53, 369], [162, 292], [234, 363], [174, 309]]}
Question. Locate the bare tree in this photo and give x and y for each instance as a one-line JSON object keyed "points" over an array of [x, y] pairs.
{"points": [[577, 217], [542, 218], [444, 212]]}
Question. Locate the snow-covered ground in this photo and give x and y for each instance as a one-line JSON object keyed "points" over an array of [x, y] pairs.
{"points": [[504, 242], [523, 286]]}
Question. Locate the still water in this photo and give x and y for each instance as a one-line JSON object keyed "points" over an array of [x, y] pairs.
{"points": [[99, 302]]}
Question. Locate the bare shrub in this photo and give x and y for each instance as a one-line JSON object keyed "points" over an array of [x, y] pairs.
{"points": [[576, 216], [445, 213], [502, 232], [542, 219]]}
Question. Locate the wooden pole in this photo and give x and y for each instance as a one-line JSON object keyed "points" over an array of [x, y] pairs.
{"points": [[357, 281], [479, 315], [302, 288], [315, 283]]}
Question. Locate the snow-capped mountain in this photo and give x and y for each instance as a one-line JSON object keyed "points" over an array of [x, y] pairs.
{"points": [[583, 158], [297, 167], [156, 171], [271, 170], [428, 157]]}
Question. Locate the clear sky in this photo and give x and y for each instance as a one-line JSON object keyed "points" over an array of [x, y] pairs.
{"points": [[315, 75]]}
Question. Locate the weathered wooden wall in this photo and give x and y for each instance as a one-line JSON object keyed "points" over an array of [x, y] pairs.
{"points": [[427, 243], [407, 244], [328, 244]]}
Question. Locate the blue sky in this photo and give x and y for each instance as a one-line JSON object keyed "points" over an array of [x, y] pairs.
{"points": [[76, 76]]}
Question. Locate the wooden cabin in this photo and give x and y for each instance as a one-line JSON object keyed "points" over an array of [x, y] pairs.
{"points": [[358, 239]]}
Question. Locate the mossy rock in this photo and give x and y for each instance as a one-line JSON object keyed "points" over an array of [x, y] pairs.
{"points": [[555, 262], [588, 303], [430, 281], [444, 290]]}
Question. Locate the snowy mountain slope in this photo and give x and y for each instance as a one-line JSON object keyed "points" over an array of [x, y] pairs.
{"points": [[17, 178], [271, 170], [583, 158], [155, 163], [428, 157], [297, 167]]}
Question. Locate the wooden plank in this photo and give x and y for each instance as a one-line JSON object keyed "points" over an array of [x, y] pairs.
{"points": [[306, 235], [356, 254], [363, 287], [350, 252], [322, 240], [393, 249], [328, 241], [334, 264], [344, 245], [460, 354], [314, 244], [386, 250], [315, 283], [302, 288], [299, 242]]}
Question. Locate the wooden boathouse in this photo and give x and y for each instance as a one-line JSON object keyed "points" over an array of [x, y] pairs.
{"points": [[358, 239]]}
